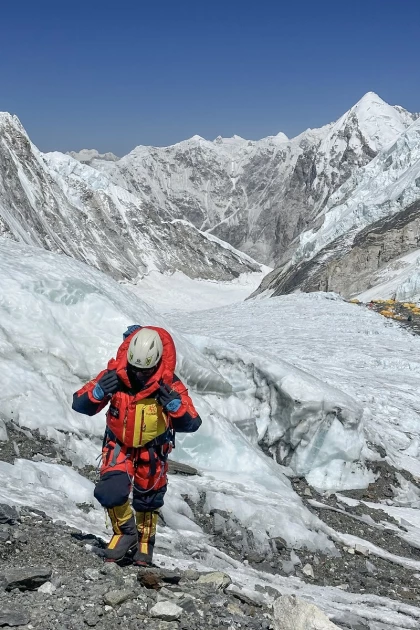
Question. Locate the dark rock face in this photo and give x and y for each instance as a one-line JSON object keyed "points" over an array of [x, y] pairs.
{"points": [[8, 514], [350, 268]]}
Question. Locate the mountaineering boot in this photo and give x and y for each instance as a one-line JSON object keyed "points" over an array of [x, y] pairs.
{"points": [[146, 526], [125, 535]]}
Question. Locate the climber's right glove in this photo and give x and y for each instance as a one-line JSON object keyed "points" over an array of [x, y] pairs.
{"points": [[168, 398], [107, 385]]}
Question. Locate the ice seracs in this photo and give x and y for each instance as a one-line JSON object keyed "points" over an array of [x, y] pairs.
{"points": [[365, 228]]}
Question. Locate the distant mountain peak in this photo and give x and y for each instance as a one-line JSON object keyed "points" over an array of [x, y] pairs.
{"points": [[88, 155], [369, 98]]}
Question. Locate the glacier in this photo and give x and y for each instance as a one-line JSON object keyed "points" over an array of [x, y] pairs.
{"points": [[350, 348], [61, 321]]}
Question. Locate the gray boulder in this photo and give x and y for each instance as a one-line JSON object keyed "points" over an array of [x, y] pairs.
{"points": [[292, 613], [167, 611], [25, 579]]}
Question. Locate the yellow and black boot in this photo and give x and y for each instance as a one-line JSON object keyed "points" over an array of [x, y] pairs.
{"points": [[125, 536], [146, 526]]}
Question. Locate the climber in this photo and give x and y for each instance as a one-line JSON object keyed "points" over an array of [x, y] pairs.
{"points": [[148, 406]]}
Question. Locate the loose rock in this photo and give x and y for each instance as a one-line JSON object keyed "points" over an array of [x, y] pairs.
{"points": [[166, 610], [150, 579], [279, 543], [3, 432], [91, 574], [47, 588], [115, 597], [217, 579], [308, 570], [8, 514], [361, 550], [27, 578], [12, 618], [252, 598], [292, 613]]}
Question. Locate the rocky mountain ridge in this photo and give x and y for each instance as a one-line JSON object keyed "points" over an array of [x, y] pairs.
{"points": [[258, 195], [55, 202], [368, 224]]}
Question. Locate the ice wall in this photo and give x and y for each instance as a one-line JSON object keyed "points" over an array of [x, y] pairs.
{"points": [[60, 322]]}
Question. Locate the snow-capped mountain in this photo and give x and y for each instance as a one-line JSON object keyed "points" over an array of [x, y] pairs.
{"points": [[87, 156], [55, 202], [258, 195], [362, 236]]}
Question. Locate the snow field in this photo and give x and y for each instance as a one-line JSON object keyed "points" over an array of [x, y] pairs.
{"points": [[371, 360], [177, 291]]}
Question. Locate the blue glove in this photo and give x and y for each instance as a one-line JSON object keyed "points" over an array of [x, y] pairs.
{"points": [[130, 330], [168, 398], [174, 405], [107, 385]]}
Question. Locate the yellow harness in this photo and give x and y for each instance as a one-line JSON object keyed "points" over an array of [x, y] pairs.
{"points": [[150, 422]]}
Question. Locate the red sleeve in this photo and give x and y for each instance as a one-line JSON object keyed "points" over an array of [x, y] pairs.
{"points": [[187, 405], [84, 401]]}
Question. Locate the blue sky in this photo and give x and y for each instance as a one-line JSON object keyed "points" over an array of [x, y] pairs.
{"points": [[114, 74]]}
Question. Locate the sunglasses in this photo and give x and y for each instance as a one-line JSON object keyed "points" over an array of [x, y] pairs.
{"points": [[144, 372]]}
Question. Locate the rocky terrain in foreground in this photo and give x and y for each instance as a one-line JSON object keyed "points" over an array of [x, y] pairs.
{"points": [[51, 578]]}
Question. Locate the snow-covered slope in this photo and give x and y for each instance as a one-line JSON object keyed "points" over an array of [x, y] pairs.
{"points": [[370, 221], [54, 201], [59, 323], [385, 186], [177, 291], [258, 195]]}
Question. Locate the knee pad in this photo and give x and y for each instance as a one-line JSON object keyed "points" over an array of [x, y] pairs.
{"points": [[148, 501], [113, 489]]}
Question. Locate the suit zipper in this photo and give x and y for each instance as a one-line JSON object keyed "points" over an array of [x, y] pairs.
{"points": [[141, 426], [124, 425]]}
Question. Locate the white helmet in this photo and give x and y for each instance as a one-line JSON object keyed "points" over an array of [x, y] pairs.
{"points": [[145, 349]]}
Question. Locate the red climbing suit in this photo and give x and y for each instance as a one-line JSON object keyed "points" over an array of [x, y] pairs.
{"points": [[136, 423]]}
